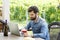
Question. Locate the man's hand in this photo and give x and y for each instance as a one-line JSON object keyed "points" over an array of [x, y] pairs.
{"points": [[24, 32]]}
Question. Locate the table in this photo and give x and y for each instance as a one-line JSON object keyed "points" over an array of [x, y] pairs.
{"points": [[13, 37]]}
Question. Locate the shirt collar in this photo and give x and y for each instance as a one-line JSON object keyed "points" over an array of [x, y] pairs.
{"points": [[38, 19]]}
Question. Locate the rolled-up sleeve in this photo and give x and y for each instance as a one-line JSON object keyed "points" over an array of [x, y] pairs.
{"points": [[44, 31]]}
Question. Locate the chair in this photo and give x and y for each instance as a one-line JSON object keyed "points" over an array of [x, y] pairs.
{"points": [[54, 31]]}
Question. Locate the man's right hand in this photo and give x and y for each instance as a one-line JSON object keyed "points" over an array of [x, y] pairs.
{"points": [[24, 32]]}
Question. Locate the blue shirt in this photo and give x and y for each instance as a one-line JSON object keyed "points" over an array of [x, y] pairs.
{"points": [[39, 28]]}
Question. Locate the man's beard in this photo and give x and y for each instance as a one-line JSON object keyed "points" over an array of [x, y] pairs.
{"points": [[33, 18]]}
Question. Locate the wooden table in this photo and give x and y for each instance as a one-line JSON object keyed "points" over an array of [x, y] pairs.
{"points": [[13, 37]]}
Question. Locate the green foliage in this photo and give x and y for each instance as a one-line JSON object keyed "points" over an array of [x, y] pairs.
{"points": [[17, 13], [18, 9], [0, 2], [51, 14]]}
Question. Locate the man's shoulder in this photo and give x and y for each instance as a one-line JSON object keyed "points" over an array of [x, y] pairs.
{"points": [[43, 20], [30, 22]]}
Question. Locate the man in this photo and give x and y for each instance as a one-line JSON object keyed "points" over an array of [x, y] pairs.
{"points": [[38, 25]]}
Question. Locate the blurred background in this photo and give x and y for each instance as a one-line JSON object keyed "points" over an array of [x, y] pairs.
{"points": [[48, 9]]}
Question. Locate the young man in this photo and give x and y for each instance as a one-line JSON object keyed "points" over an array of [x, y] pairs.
{"points": [[38, 25]]}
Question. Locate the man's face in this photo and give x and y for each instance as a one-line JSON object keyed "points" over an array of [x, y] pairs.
{"points": [[32, 15]]}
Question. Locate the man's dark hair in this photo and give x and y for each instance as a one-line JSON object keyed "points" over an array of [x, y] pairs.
{"points": [[33, 8]]}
